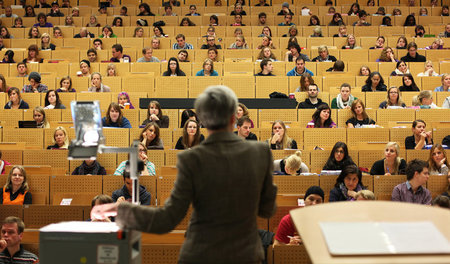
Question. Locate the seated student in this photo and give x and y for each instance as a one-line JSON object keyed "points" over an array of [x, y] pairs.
{"points": [[338, 158], [3, 163], [114, 117], [338, 66], [305, 81], [97, 85], [412, 191], [45, 42], [89, 167], [149, 167], [323, 55], [360, 117], [60, 139], [183, 56], [401, 69], [124, 194], [242, 111], [266, 68], [66, 85], [123, 99], [348, 183], [191, 136], [351, 43], [344, 99], [287, 21], [445, 87], [322, 118], [441, 201], [84, 33], [420, 137], [362, 15], [238, 21], [374, 83], [342, 32], [9, 57], [424, 100], [35, 85], [15, 100], [238, 10], [437, 161], [429, 70], [107, 32], [364, 195], [409, 85], [393, 99], [173, 68], [150, 136], [22, 69], [85, 68], [379, 44], [279, 138], [148, 55], [118, 56], [244, 124], [98, 200], [239, 43], [155, 114], [286, 231], [291, 165], [313, 101], [266, 53], [92, 55], [392, 164], [186, 115], [294, 54], [52, 100], [387, 55], [98, 44], [412, 55], [181, 43], [285, 10], [266, 42], [39, 117], [42, 21], [208, 69], [16, 189]]}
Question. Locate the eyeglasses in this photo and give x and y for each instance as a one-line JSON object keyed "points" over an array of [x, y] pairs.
{"points": [[340, 152]]}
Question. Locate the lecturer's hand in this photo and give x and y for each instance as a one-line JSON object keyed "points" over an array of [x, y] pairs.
{"points": [[101, 212]]}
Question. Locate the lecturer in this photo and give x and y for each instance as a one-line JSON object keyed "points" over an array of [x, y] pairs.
{"points": [[229, 182]]}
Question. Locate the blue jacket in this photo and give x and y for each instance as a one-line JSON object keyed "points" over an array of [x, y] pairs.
{"points": [[125, 123], [202, 73], [293, 72]]}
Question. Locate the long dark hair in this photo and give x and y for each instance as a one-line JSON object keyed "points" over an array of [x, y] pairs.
{"points": [[157, 134], [316, 117], [116, 107], [413, 83], [332, 163], [197, 136], [369, 79], [177, 70], [185, 116], [350, 169], [58, 101]]}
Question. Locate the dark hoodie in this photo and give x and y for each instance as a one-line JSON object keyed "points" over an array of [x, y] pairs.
{"points": [[144, 196]]}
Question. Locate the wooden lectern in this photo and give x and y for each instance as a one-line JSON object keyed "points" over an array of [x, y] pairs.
{"points": [[307, 222]]}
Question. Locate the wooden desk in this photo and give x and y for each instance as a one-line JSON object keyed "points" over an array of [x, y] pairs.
{"points": [[307, 222]]}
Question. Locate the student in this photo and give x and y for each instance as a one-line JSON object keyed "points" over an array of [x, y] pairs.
{"points": [[322, 118], [409, 85], [344, 99], [393, 99], [420, 138], [52, 100], [15, 100], [89, 167], [445, 87], [123, 99], [279, 138], [40, 118], [391, 164], [173, 68], [266, 68], [360, 117], [60, 139], [374, 82], [149, 167], [412, 55], [155, 114], [114, 117], [124, 194], [150, 136], [191, 136], [347, 185], [437, 161], [208, 69], [291, 165], [16, 190], [339, 158], [412, 191], [66, 85]]}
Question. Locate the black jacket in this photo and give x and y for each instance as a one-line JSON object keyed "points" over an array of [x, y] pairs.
{"points": [[308, 105]]}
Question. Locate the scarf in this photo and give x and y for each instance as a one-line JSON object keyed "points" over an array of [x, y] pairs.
{"points": [[344, 191], [341, 104], [93, 169], [398, 72]]}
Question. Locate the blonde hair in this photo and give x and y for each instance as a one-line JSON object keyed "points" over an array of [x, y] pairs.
{"points": [[111, 66], [41, 110], [66, 139], [399, 98], [417, 100], [294, 162], [366, 194], [398, 160], [322, 48]]}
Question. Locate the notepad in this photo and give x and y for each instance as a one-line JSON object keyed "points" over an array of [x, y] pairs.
{"points": [[383, 238]]}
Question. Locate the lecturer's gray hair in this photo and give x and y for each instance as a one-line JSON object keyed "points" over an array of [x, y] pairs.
{"points": [[215, 106]]}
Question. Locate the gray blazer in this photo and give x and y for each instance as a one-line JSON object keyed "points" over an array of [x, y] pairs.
{"points": [[229, 182]]}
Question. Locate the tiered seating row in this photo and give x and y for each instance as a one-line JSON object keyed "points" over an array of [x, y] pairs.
{"points": [[296, 119], [55, 162]]}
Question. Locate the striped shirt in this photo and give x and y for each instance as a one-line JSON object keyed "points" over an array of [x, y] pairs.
{"points": [[21, 257]]}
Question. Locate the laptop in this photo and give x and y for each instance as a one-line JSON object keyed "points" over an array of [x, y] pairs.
{"points": [[27, 124]]}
